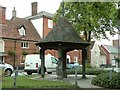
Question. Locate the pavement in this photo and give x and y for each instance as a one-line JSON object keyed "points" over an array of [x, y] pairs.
{"points": [[82, 83], [20, 73]]}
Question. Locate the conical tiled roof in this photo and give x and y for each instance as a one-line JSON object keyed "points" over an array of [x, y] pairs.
{"points": [[63, 32]]}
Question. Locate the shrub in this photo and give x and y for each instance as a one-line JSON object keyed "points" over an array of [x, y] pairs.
{"points": [[103, 80], [11, 52], [24, 53], [89, 71], [88, 65]]}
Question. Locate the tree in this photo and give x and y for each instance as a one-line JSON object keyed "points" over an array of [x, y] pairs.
{"points": [[91, 19]]}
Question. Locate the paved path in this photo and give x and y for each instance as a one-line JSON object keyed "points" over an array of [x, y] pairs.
{"points": [[82, 83]]}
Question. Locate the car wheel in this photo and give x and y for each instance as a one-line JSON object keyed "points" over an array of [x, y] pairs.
{"points": [[49, 72], [8, 72], [40, 70], [29, 73]]}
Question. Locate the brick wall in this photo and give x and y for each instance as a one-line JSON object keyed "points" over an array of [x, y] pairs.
{"points": [[10, 45]]}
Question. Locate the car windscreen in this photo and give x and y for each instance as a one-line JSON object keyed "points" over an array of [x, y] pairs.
{"points": [[54, 60]]}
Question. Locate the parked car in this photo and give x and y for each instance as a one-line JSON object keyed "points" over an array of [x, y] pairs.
{"points": [[33, 64], [73, 65], [6, 68]]}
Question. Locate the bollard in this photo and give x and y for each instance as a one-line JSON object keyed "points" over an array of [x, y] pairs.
{"points": [[16, 74], [39, 71], [75, 76], [110, 75]]}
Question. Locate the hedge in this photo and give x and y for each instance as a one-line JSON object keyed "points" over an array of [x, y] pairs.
{"points": [[107, 81], [89, 71]]}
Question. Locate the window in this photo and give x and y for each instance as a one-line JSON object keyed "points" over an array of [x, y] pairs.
{"points": [[75, 59], [22, 31], [96, 53], [50, 23], [25, 45], [1, 60], [22, 59]]}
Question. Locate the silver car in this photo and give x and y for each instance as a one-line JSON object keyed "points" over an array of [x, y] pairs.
{"points": [[6, 68]]}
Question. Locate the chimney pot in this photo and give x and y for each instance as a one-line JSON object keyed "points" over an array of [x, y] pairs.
{"points": [[14, 12], [34, 8]]}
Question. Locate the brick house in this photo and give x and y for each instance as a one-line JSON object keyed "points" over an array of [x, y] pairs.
{"points": [[43, 22], [111, 52], [17, 38]]}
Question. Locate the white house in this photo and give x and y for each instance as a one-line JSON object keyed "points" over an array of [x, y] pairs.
{"points": [[98, 56], [95, 55]]}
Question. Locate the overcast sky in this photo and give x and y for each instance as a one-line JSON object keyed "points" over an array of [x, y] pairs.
{"points": [[23, 7]]}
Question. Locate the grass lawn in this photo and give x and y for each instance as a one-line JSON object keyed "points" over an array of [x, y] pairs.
{"points": [[27, 82]]}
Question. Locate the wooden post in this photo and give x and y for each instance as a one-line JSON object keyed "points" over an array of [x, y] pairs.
{"points": [[60, 65], [64, 64], [84, 55], [42, 63]]}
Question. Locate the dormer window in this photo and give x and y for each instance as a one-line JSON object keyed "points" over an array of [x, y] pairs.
{"points": [[22, 31], [50, 23]]}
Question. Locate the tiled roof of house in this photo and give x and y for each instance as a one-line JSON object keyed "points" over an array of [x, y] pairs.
{"points": [[40, 14], [10, 29], [112, 49], [101, 51]]}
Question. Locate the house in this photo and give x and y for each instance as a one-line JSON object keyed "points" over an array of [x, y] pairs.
{"points": [[111, 52], [17, 38], [104, 54], [95, 55], [43, 22]]}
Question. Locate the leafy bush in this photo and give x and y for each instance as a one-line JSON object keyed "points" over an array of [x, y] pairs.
{"points": [[25, 53], [88, 65], [104, 80], [89, 71], [11, 52]]}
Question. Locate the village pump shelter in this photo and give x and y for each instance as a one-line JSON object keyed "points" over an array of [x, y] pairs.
{"points": [[62, 38]]}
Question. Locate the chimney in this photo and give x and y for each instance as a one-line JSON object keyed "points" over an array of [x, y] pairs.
{"points": [[2, 15], [34, 8], [14, 12], [116, 43]]}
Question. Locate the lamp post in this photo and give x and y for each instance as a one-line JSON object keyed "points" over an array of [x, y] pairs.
{"points": [[15, 53], [15, 41], [16, 69]]}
